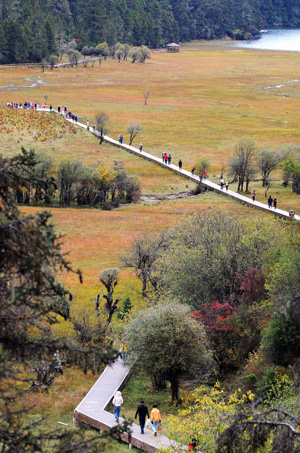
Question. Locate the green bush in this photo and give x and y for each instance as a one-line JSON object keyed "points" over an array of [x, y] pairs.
{"points": [[273, 383], [250, 381], [281, 340]]}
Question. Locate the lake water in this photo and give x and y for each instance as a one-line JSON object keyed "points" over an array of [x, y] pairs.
{"points": [[278, 39]]}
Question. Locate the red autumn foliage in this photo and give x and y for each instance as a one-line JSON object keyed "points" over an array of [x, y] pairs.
{"points": [[252, 285], [216, 318]]}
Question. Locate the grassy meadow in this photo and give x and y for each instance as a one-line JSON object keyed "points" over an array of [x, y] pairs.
{"points": [[201, 102]]}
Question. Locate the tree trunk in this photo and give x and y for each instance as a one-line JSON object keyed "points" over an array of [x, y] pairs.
{"points": [[247, 185], [175, 390], [158, 382], [19, 196], [144, 290]]}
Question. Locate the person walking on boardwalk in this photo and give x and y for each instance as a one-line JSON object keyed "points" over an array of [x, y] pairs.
{"points": [[253, 195], [275, 202], [169, 159], [163, 157], [270, 201], [180, 164], [87, 125], [141, 147], [155, 418], [124, 352], [193, 169], [121, 139], [142, 412], [166, 158], [226, 184], [58, 108], [117, 402], [222, 183]]}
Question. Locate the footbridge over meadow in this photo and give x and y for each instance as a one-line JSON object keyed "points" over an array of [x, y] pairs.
{"points": [[94, 411], [287, 215]]}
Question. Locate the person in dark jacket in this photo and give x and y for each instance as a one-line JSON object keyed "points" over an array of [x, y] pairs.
{"points": [[270, 202], [142, 412]]}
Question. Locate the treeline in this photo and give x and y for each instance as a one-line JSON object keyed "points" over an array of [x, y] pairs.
{"points": [[31, 30], [69, 183]]}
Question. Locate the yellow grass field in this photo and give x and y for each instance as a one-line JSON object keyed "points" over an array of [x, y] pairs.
{"points": [[95, 239], [201, 102]]}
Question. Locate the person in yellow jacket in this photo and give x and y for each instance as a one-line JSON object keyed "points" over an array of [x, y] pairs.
{"points": [[155, 418]]}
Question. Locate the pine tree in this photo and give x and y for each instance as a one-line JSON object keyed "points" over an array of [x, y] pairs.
{"points": [[10, 9], [3, 44], [61, 9], [49, 29], [39, 44]]}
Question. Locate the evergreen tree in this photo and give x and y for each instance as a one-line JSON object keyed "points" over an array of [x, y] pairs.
{"points": [[49, 29], [39, 44], [3, 44], [10, 9], [61, 9]]}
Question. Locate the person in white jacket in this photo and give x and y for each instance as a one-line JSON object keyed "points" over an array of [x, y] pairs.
{"points": [[117, 402]]}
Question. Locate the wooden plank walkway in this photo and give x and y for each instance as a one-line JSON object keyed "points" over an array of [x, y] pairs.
{"points": [[187, 174], [93, 410]]}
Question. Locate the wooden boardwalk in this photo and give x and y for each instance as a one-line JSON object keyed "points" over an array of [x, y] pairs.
{"points": [[93, 410], [187, 174]]}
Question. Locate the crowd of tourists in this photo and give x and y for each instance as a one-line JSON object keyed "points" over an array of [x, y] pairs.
{"points": [[27, 105], [36, 106]]}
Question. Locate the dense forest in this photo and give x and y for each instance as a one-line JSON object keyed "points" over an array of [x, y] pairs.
{"points": [[32, 30]]}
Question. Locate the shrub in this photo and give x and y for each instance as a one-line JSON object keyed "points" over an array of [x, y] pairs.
{"points": [[281, 340], [273, 382]]}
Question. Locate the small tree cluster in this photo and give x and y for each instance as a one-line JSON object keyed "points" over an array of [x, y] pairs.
{"points": [[291, 168], [246, 162], [74, 182], [139, 54], [119, 50]]}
